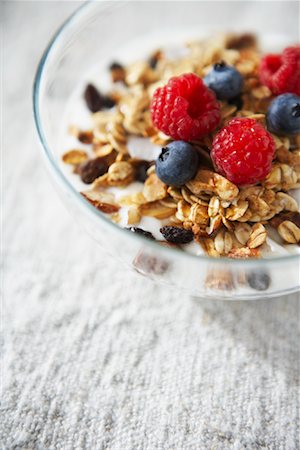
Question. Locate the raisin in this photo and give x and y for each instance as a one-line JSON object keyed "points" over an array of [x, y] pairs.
{"points": [[236, 101], [177, 235], [242, 41], [153, 60], [96, 101], [117, 72], [115, 65], [291, 216], [92, 169], [260, 281], [86, 137], [108, 102], [93, 98], [141, 232], [141, 168]]}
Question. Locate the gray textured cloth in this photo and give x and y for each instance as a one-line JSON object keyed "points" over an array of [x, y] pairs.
{"points": [[98, 358]]}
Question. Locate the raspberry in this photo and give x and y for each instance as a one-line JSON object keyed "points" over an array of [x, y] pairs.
{"points": [[281, 73], [243, 151], [185, 108]]}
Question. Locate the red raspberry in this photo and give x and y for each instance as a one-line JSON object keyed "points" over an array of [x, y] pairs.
{"points": [[243, 151], [281, 73], [185, 108]]}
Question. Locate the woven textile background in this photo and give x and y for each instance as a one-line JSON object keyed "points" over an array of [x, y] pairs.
{"points": [[98, 358]]}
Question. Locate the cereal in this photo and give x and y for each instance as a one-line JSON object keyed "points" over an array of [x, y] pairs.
{"points": [[154, 189], [74, 157], [289, 232], [257, 237], [225, 219]]}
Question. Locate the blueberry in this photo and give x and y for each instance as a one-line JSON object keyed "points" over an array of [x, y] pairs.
{"points": [[177, 164], [225, 81], [260, 281], [283, 116]]}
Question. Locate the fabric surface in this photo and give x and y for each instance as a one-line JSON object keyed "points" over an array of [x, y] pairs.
{"points": [[96, 357]]}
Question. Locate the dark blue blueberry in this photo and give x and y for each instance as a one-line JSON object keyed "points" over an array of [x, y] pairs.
{"points": [[225, 81], [283, 116], [177, 164]]}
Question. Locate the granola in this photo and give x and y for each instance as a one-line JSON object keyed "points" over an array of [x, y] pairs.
{"points": [[226, 219]]}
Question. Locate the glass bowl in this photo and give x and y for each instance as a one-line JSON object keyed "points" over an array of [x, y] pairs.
{"points": [[96, 31]]}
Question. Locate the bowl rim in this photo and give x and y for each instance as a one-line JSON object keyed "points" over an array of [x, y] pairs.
{"points": [[170, 252]]}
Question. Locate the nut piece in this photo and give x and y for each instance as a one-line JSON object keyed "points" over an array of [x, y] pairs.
{"points": [[258, 236], [289, 232], [74, 157]]}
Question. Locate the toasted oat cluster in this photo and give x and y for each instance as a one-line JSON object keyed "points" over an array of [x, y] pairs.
{"points": [[225, 219]]}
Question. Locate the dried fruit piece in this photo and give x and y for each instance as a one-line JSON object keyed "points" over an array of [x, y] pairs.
{"points": [[86, 137], [117, 72], [92, 169], [177, 235], [96, 101], [290, 216], [142, 232], [241, 41], [140, 168], [74, 157]]}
